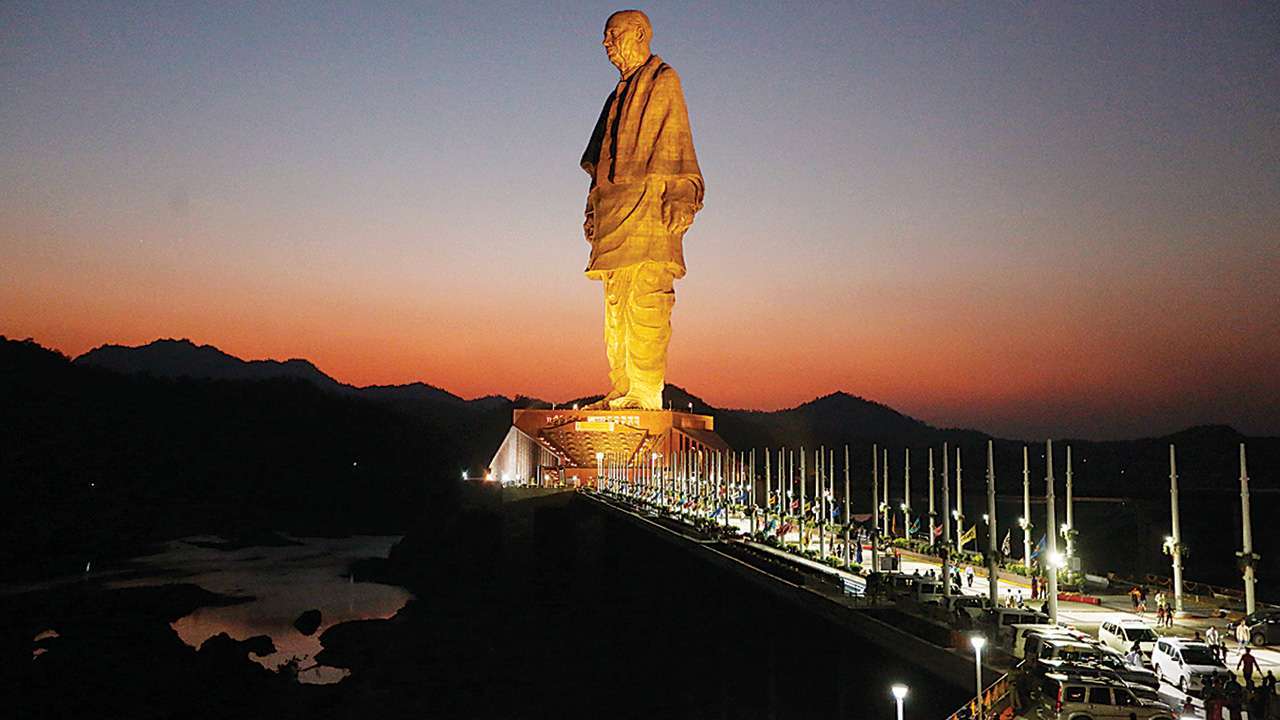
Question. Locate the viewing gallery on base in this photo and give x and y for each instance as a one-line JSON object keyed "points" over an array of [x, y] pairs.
{"points": [[575, 447]]}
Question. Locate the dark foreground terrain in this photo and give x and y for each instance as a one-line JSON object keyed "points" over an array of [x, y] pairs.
{"points": [[535, 609]]}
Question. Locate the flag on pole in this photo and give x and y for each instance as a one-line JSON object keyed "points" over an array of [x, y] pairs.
{"points": [[915, 527], [937, 531], [1005, 547], [1039, 548], [969, 535]]}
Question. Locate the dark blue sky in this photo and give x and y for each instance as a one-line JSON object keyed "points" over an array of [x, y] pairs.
{"points": [[1037, 218]]}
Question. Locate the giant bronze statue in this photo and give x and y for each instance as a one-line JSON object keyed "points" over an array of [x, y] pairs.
{"points": [[645, 190]]}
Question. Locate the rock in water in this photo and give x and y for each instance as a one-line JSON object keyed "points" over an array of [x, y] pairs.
{"points": [[308, 622]]}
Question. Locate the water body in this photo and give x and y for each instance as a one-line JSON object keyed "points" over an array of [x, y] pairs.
{"points": [[284, 581]]}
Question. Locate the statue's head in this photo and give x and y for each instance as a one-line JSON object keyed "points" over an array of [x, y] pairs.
{"points": [[626, 39]]}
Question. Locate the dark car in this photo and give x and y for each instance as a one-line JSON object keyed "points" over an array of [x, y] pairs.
{"points": [[1263, 627], [1118, 672]]}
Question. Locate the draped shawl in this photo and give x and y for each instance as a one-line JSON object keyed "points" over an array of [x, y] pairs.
{"points": [[641, 152]]}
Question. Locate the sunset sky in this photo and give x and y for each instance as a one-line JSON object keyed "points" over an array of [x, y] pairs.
{"points": [[1031, 219]]}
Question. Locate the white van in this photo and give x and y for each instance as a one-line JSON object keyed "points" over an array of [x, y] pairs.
{"points": [[1002, 621], [928, 590], [1042, 631], [1185, 664], [1120, 635]]}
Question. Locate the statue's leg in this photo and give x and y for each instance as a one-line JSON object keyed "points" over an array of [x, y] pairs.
{"points": [[616, 285], [648, 327]]}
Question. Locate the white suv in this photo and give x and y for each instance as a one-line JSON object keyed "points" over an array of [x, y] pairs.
{"points": [[1121, 635], [1186, 664]]}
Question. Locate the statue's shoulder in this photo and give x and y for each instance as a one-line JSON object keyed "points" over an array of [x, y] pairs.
{"points": [[663, 73]]}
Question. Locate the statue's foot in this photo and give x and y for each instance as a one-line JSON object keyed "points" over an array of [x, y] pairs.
{"points": [[634, 402], [605, 402]]}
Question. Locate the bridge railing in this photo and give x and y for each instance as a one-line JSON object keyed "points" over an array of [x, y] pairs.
{"points": [[997, 703]]}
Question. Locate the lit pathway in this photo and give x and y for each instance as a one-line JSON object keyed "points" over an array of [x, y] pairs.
{"points": [[1087, 618]]}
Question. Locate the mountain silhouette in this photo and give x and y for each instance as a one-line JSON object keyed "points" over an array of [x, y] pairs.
{"points": [[124, 446]]}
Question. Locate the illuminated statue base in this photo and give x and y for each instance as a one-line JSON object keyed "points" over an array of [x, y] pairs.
{"points": [[570, 447]]}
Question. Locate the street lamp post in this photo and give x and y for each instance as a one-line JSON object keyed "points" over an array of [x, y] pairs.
{"points": [[978, 643], [1026, 511], [875, 509], [599, 469], [1052, 557], [1071, 520], [1246, 554], [1175, 541], [899, 694]]}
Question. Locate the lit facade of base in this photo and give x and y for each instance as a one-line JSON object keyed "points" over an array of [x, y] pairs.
{"points": [[569, 447]]}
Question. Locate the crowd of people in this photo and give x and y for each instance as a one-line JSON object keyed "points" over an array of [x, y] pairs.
{"points": [[1226, 697]]}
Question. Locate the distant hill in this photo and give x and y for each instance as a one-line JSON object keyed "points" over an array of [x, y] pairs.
{"points": [[125, 445], [476, 426]]}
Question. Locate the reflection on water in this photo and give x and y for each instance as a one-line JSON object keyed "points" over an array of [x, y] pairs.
{"points": [[285, 582]]}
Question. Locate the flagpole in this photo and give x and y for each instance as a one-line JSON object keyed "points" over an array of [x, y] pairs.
{"points": [[884, 470], [959, 506], [906, 495], [1026, 512], [820, 488], [993, 573], [848, 519], [875, 509], [946, 524], [803, 506], [932, 513]]}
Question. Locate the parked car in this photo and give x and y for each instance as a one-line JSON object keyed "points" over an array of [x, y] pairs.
{"points": [[1120, 636], [1029, 639], [1185, 664], [1263, 627], [975, 606], [1069, 697], [1002, 621], [1147, 695], [1131, 673], [1106, 665], [928, 590], [1065, 649]]}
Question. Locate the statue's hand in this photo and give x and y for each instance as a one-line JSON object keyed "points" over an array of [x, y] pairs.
{"points": [[589, 228], [677, 216]]}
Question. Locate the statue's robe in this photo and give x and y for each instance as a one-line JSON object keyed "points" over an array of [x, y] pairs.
{"points": [[640, 153]]}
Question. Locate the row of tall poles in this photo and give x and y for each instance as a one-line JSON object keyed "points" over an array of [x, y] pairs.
{"points": [[709, 483]]}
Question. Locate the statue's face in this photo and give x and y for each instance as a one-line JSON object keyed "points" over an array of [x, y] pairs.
{"points": [[623, 42]]}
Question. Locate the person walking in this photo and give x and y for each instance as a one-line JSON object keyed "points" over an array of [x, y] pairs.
{"points": [[968, 575], [1248, 663], [1134, 595], [1035, 587], [1134, 656], [1232, 696]]}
